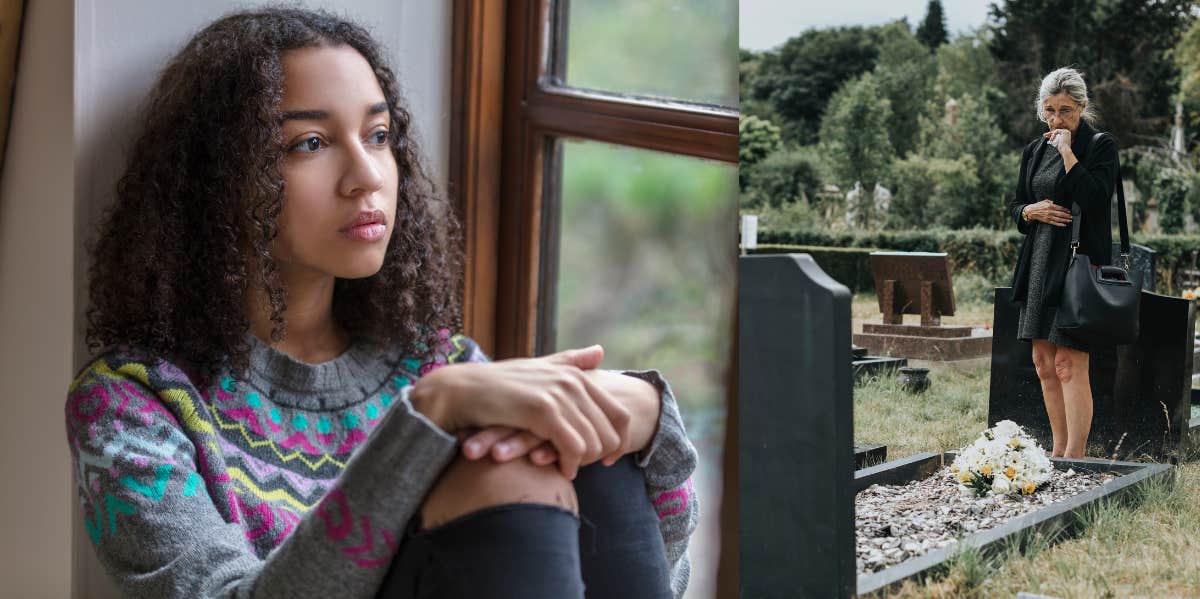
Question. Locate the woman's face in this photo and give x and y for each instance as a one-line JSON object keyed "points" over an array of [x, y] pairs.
{"points": [[338, 166], [1061, 112]]}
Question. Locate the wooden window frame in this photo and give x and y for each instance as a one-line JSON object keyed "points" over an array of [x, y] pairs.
{"points": [[504, 153], [500, 151]]}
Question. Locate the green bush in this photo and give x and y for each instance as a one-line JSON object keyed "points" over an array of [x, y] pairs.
{"points": [[784, 176], [989, 253], [757, 139], [984, 253], [848, 266], [932, 191]]}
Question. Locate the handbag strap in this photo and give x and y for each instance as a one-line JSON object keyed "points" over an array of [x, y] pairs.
{"points": [[1121, 218]]}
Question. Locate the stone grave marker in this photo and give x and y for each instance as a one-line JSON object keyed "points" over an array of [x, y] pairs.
{"points": [[1141, 393], [1142, 261], [918, 283], [867, 366], [795, 393]]}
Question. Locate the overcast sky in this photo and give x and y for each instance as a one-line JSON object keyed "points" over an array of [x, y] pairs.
{"points": [[764, 24]]}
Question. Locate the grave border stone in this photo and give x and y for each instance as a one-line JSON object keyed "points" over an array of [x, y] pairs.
{"points": [[1058, 516]]}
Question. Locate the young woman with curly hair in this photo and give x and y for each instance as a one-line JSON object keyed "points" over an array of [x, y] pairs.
{"points": [[277, 407]]}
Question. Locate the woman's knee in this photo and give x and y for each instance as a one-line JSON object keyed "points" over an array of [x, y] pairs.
{"points": [[1044, 360], [1069, 364], [471, 485]]}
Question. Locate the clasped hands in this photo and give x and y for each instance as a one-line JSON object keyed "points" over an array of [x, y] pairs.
{"points": [[557, 408], [1048, 212]]}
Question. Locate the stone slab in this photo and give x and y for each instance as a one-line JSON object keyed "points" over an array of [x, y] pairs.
{"points": [[867, 455], [1141, 393], [876, 366], [926, 348], [916, 330]]}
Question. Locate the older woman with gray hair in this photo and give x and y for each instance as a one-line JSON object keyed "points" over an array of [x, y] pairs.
{"points": [[1070, 165]]}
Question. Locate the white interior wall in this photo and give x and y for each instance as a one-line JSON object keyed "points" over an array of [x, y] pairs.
{"points": [[83, 125]]}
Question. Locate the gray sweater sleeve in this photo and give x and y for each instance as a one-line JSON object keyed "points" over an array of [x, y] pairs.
{"points": [[669, 463], [141, 467]]}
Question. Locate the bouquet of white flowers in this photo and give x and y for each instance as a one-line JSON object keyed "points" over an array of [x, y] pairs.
{"points": [[1003, 460]]}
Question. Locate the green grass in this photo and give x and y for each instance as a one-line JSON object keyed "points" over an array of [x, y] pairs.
{"points": [[1148, 549]]}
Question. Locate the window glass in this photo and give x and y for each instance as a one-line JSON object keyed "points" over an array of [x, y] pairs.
{"points": [[647, 268], [663, 48]]}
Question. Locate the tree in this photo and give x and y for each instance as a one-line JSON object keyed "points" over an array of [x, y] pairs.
{"points": [[1187, 57], [962, 173], [854, 133], [932, 31], [934, 192], [905, 74], [1104, 38], [757, 139], [965, 66], [784, 177], [798, 79]]}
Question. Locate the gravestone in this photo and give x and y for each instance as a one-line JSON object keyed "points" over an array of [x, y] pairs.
{"points": [[795, 402], [918, 283], [867, 366], [1141, 393], [1142, 262]]}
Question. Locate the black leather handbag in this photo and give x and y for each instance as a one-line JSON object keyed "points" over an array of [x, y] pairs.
{"points": [[1100, 305]]}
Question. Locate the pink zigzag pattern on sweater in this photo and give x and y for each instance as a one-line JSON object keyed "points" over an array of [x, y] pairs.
{"points": [[299, 439], [261, 470]]}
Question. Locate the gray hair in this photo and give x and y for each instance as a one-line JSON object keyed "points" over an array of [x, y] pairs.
{"points": [[1066, 80]]}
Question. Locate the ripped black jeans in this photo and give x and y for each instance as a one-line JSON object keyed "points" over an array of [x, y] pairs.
{"points": [[535, 551]]}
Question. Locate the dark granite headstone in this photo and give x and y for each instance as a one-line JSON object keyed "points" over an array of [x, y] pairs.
{"points": [[1141, 393], [1142, 261], [795, 402]]}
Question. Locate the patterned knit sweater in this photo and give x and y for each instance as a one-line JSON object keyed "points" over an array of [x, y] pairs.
{"points": [[296, 482]]}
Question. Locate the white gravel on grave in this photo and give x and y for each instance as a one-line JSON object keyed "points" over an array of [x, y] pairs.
{"points": [[894, 523]]}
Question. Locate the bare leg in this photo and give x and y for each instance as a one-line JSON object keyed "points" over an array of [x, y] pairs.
{"points": [[1071, 366], [1052, 393]]}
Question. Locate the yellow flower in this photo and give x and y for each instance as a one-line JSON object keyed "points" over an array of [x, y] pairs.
{"points": [[1028, 488], [964, 477], [986, 470], [1010, 472], [1014, 443], [1189, 295]]}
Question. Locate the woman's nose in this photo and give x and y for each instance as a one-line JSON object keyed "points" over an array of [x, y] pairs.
{"points": [[363, 173]]}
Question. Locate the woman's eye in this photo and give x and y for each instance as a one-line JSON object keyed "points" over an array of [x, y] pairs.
{"points": [[380, 137], [308, 145]]}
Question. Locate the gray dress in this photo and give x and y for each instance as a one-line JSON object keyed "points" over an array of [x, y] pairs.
{"points": [[1036, 320]]}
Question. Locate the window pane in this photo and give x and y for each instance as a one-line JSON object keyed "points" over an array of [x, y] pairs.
{"points": [[684, 49], [647, 268]]}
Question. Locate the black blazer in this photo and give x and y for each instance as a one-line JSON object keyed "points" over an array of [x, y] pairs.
{"points": [[1089, 185]]}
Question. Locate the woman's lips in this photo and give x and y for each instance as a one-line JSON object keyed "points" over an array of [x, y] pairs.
{"points": [[370, 232]]}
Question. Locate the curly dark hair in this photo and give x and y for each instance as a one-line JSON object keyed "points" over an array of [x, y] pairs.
{"points": [[204, 179]]}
